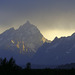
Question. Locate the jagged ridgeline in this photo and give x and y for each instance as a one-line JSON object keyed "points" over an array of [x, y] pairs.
{"points": [[26, 39]]}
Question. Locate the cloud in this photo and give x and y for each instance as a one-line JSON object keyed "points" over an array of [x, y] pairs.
{"points": [[45, 14]]}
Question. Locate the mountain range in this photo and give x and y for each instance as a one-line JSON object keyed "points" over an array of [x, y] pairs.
{"points": [[21, 43], [27, 44], [27, 38], [59, 51]]}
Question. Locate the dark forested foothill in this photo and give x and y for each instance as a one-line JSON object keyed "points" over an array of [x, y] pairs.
{"points": [[11, 68]]}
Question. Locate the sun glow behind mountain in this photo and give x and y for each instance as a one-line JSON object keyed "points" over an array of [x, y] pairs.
{"points": [[51, 34], [52, 17]]}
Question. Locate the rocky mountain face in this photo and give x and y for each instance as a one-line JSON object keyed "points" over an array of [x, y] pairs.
{"points": [[27, 44], [27, 38], [21, 42]]}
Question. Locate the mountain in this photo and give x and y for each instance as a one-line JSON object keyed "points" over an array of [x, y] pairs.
{"points": [[59, 51], [27, 44], [67, 66], [21, 43]]}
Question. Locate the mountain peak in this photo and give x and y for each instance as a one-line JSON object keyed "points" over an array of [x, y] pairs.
{"points": [[27, 38], [27, 22], [26, 25], [8, 31], [12, 28], [73, 34], [56, 38]]}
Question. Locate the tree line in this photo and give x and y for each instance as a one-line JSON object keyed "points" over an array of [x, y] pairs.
{"points": [[9, 67]]}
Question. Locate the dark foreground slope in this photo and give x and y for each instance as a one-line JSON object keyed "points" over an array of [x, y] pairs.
{"points": [[11, 68], [39, 72]]}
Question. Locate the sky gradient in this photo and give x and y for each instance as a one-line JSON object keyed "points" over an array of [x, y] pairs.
{"points": [[52, 17]]}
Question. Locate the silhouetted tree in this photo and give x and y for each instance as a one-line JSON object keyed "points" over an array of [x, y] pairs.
{"points": [[0, 61], [12, 65], [4, 62], [4, 65], [11, 62], [28, 65]]}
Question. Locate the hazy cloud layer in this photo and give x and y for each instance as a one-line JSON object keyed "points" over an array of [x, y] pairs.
{"points": [[45, 14]]}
